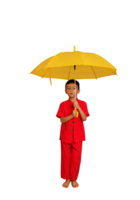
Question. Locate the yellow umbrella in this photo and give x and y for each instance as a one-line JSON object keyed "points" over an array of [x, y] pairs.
{"points": [[63, 66]]}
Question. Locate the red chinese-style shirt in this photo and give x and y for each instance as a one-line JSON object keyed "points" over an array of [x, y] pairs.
{"points": [[73, 126]]}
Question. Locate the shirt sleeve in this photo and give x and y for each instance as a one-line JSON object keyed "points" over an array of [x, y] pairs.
{"points": [[60, 112], [85, 109]]}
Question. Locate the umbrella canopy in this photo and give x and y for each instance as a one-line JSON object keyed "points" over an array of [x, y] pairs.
{"points": [[63, 66]]}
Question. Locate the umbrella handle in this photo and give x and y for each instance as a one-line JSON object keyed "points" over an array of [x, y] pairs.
{"points": [[76, 113]]}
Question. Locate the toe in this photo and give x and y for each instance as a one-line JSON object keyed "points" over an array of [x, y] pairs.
{"points": [[76, 187]]}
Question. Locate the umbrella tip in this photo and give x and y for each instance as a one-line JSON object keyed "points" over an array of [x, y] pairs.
{"points": [[74, 45], [29, 75]]}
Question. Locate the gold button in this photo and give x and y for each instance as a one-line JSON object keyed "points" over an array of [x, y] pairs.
{"points": [[75, 129], [71, 130]]}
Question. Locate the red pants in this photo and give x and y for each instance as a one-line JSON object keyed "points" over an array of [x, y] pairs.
{"points": [[70, 160]]}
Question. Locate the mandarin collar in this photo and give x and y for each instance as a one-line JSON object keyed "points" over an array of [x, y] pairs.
{"points": [[71, 101]]}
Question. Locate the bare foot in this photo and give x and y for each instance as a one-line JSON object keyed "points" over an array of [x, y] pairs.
{"points": [[74, 184], [66, 183]]}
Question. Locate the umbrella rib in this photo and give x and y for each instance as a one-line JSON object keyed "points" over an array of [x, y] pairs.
{"points": [[81, 57], [45, 73], [93, 72]]}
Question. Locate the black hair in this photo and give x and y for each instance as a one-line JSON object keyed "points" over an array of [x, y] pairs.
{"points": [[72, 81]]}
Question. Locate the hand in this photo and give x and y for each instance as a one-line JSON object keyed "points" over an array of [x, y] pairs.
{"points": [[76, 105], [74, 113]]}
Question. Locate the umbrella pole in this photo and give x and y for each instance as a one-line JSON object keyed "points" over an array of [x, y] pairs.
{"points": [[75, 80], [75, 86]]}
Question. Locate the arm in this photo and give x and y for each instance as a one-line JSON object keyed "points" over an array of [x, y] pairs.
{"points": [[65, 119], [83, 115]]}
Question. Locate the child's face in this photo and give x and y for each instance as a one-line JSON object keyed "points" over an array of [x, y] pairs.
{"points": [[70, 90]]}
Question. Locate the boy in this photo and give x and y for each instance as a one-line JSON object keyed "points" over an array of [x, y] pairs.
{"points": [[72, 133]]}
